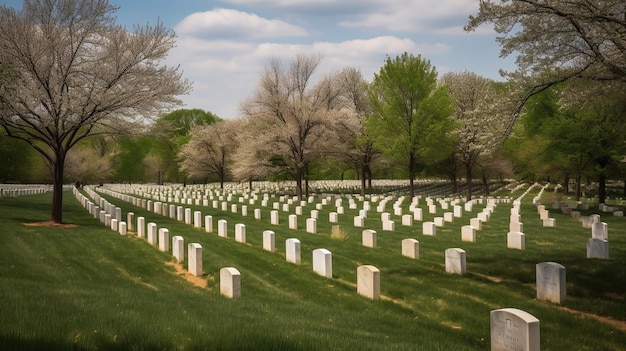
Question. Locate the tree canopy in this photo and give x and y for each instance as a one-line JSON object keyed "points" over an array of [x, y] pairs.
{"points": [[411, 113], [556, 41], [71, 72]]}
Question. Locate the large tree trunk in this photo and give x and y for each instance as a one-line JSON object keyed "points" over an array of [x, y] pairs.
{"points": [[299, 183], [411, 175], [602, 188], [57, 192], [578, 187], [486, 185], [566, 184], [468, 179], [363, 181]]}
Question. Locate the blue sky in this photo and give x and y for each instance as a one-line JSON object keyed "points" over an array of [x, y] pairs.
{"points": [[223, 45]]}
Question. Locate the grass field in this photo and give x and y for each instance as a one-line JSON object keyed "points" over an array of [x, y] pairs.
{"points": [[86, 287]]}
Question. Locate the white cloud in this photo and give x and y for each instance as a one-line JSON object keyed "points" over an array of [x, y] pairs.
{"points": [[228, 23], [226, 72], [410, 15]]}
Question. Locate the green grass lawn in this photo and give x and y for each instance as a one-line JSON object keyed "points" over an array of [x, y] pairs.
{"points": [[89, 288]]}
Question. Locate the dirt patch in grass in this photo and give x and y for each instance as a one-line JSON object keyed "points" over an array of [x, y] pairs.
{"points": [[621, 325], [50, 224], [197, 281]]}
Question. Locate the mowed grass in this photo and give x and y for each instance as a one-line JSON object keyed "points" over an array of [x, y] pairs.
{"points": [[89, 288]]}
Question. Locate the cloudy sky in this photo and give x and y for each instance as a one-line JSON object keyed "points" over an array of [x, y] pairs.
{"points": [[223, 45]]}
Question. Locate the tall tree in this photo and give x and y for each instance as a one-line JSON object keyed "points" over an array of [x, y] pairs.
{"points": [[288, 117], [411, 113], [210, 150], [478, 111], [75, 73], [556, 41], [355, 143]]}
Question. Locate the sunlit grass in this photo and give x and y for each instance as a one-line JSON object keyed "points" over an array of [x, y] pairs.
{"points": [[90, 288]]}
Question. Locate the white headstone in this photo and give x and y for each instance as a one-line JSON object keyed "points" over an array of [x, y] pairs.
{"points": [[122, 228], [514, 330], [417, 214], [389, 226], [455, 261], [114, 225], [311, 225], [187, 216], [197, 219], [152, 233], [208, 223], [476, 223], [293, 221], [439, 222], [368, 281], [411, 248], [141, 227], [333, 217], [598, 248], [359, 221], [368, 238], [292, 250], [164, 239], [240, 233], [550, 281], [130, 221], [429, 228], [468, 233], [178, 248], [549, 222], [222, 228], [516, 240], [230, 282], [194, 259], [407, 220], [269, 241], [600, 230], [516, 227], [274, 217], [323, 263]]}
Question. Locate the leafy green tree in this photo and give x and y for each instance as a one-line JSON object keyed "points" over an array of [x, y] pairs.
{"points": [[15, 157], [170, 132], [74, 73], [411, 118], [128, 164]]}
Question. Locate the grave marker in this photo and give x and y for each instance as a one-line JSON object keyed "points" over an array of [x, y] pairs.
{"points": [[455, 261], [178, 248], [514, 330], [230, 282], [164, 239], [269, 241], [368, 281], [411, 248], [194, 259], [516, 240], [323, 263], [598, 248], [550, 282], [368, 238], [240, 233], [292, 250]]}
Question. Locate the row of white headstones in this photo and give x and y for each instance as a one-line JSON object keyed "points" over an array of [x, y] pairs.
{"points": [[504, 322]]}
